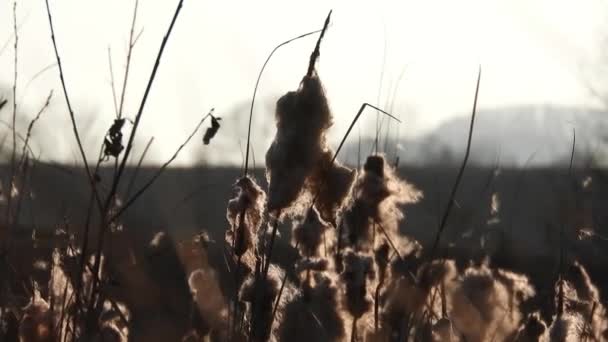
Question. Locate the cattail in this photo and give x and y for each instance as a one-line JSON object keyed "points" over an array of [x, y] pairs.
{"points": [[436, 272], [485, 306], [374, 199], [308, 234], [166, 271], [302, 117], [331, 184], [210, 305], [519, 289], [581, 303], [533, 329], [313, 314], [381, 258], [244, 213], [565, 328], [358, 270], [264, 299], [403, 298], [37, 321]]}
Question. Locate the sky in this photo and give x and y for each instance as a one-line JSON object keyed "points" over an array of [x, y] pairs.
{"points": [[417, 58]]}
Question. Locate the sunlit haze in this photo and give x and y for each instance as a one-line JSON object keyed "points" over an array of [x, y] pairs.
{"points": [[417, 58]]}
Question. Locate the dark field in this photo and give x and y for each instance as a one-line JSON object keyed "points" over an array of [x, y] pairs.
{"points": [[520, 232]]}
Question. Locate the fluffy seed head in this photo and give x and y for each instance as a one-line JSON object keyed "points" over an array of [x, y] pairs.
{"points": [[302, 117]]}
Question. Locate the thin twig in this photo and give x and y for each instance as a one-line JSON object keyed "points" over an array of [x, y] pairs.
{"points": [[8, 41], [158, 172], [116, 179], [388, 238], [460, 171], [562, 248], [70, 110], [23, 162], [350, 128], [378, 122], [132, 43], [143, 103], [14, 149], [273, 235], [35, 77], [112, 81], [19, 136], [141, 159], [31, 126]]}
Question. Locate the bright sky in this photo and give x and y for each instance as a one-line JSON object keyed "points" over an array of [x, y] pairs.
{"points": [[420, 55]]}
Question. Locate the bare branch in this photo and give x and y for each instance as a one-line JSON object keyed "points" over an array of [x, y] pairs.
{"points": [[112, 81], [160, 171], [31, 126], [70, 110], [141, 159], [14, 149], [132, 41], [142, 106]]}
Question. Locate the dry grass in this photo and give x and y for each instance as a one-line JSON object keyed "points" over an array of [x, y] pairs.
{"points": [[352, 274]]}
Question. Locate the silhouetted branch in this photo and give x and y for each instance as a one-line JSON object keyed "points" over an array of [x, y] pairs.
{"points": [[70, 110], [159, 172]]}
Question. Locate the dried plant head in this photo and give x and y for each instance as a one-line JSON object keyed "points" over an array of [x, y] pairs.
{"points": [[240, 238], [566, 328], [375, 198], [310, 264], [443, 330], [519, 287], [582, 302], [533, 329], [60, 286], [37, 321], [436, 272], [302, 117], [358, 270], [308, 233], [581, 281], [208, 297], [331, 184], [264, 296], [313, 314], [402, 298], [244, 214], [486, 306]]}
